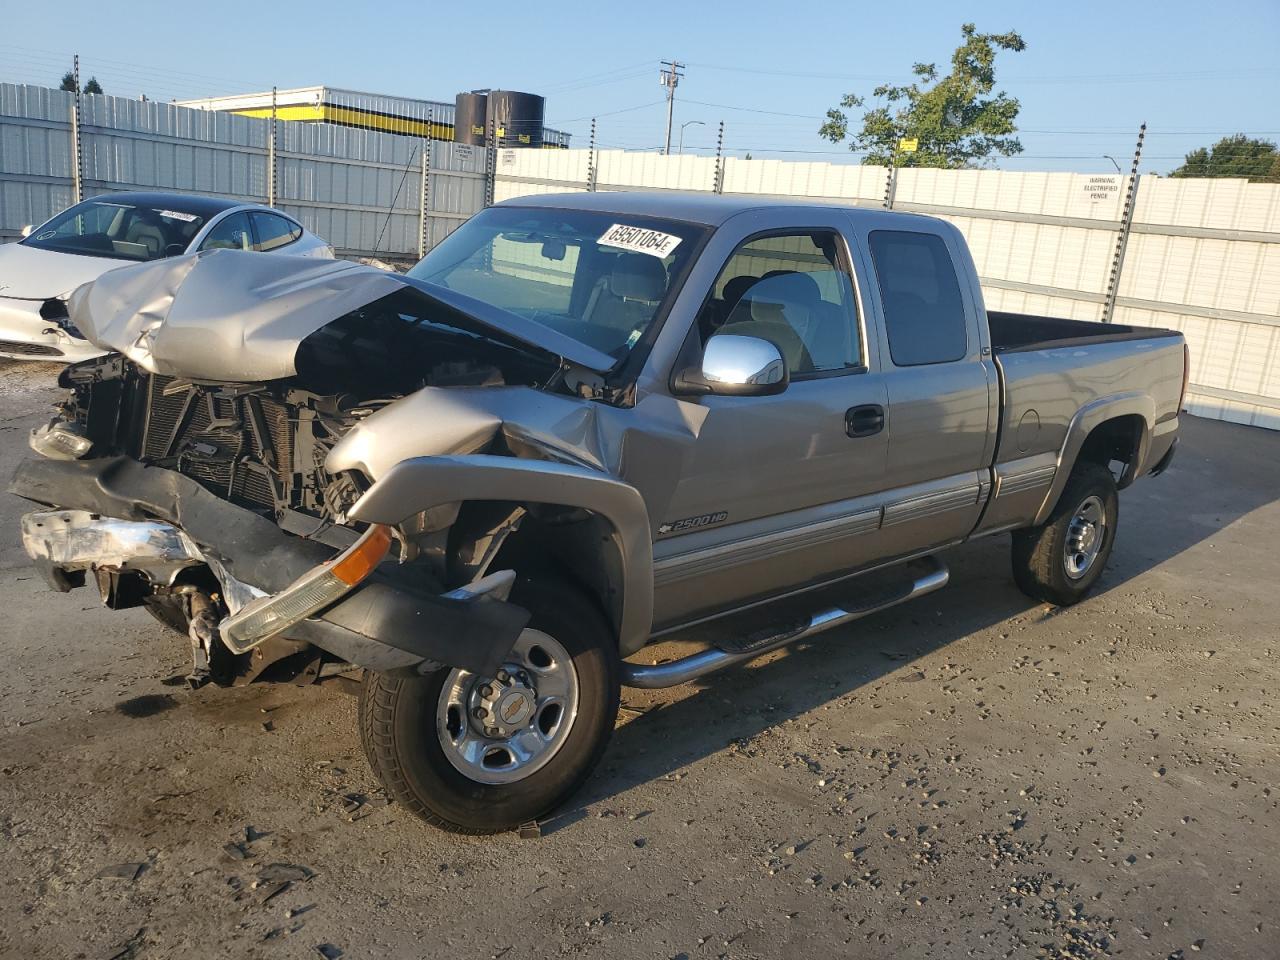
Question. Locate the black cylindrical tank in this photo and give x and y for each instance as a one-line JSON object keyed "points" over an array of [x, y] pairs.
{"points": [[517, 118], [469, 118]]}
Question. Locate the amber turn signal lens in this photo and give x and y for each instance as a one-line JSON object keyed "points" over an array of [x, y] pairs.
{"points": [[364, 556]]}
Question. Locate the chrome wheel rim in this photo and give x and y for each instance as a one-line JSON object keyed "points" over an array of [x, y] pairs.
{"points": [[504, 728], [1085, 535]]}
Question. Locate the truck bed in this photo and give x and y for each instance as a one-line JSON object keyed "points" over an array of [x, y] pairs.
{"points": [[1024, 331], [1054, 370]]}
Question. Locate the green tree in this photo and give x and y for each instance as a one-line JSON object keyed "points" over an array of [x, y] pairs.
{"points": [[68, 82], [1235, 156], [954, 118], [93, 86]]}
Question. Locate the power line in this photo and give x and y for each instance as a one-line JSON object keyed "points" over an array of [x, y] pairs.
{"points": [[611, 113], [1043, 78], [599, 79], [772, 113], [58, 56]]}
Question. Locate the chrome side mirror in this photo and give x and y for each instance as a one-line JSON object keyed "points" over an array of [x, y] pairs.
{"points": [[737, 366]]}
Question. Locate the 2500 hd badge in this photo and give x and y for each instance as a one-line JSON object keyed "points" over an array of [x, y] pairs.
{"points": [[690, 523]]}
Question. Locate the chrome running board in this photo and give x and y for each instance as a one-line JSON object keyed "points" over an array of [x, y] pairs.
{"points": [[652, 676]]}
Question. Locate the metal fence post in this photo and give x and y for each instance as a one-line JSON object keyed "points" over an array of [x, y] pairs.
{"points": [[77, 156], [591, 159], [490, 165], [271, 153], [1126, 223], [890, 187], [424, 200], [718, 185]]}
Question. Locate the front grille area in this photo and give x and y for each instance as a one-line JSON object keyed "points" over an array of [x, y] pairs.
{"points": [[28, 349], [237, 446]]}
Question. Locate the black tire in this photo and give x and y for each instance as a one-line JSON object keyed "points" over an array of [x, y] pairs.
{"points": [[398, 726], [1041, 564]]}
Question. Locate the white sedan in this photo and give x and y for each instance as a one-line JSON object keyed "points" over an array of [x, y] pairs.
{"points": [[38, 273]]}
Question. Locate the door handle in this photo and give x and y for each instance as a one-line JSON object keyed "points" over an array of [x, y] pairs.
{"points": [[864, 421]]}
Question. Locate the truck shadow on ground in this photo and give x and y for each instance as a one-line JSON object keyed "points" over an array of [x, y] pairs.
{"points": [[1226, 471]]}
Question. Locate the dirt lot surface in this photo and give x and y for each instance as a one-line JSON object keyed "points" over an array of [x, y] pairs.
{"points": [[973, 775]]}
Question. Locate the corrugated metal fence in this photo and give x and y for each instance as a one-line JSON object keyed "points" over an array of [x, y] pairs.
{"points": [[361, 190], [1203, 256]]}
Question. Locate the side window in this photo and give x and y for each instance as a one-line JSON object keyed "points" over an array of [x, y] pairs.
{"points": [[230, 233], [795, 291], [923, 310], [273, 232]]}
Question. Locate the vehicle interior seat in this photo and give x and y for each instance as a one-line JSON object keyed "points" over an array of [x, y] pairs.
{"points": [[146, 234], [827, 330], [734, 290], [716, 312], [776, 308], [624, 300]]}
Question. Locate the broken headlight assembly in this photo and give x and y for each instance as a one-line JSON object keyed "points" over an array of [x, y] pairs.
{"points": [[314, 590], [60, 440]]}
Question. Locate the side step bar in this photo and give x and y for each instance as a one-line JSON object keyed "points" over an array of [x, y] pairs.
{"points": [[652, 676]]}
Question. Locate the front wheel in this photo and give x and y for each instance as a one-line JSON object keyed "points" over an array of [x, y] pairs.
{"points": [[1060, 561], [477, 754]]}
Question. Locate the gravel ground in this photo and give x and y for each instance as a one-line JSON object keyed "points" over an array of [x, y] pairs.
{"points": [[969, 776]]}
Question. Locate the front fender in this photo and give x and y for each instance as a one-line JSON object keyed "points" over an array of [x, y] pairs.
{"points": [[421, 483]]}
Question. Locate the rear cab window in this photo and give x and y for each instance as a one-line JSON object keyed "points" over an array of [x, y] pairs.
{"points": [[920, 293]]}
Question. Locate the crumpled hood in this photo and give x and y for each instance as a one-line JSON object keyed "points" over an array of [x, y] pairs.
{"points": [[28, 273], [233, 315], [221, 314]]}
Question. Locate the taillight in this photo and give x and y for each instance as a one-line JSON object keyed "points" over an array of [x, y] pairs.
{"points": [[1186, 375]]}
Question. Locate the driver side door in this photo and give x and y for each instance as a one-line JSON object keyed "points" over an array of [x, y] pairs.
{"points": [[780, 491]]}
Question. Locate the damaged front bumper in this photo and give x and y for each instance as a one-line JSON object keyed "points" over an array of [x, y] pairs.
{"points": [[118, 515], [26, 333]]}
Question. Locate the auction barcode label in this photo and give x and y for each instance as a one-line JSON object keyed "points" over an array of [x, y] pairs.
{"points": [[639, 240]]}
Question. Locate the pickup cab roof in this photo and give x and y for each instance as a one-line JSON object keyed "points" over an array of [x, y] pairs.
{"points": [[707, 209]]}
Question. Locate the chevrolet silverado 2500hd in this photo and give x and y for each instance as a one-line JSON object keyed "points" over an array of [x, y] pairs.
{"points": [[580, 424]]}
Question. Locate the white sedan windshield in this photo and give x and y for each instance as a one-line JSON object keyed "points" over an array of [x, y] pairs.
{"points": [[123, 231]]}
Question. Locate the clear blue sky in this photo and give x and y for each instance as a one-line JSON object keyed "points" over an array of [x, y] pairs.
{"points": [[1091, 72]]}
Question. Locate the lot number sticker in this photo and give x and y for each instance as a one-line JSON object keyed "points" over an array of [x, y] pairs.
{"points": [[639, 240]]}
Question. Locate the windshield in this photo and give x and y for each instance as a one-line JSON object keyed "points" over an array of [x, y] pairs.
{"points": [[125, 231], [600, 278]]}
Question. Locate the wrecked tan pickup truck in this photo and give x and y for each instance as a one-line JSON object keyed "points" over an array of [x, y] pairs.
{"points": [[580, 425]]}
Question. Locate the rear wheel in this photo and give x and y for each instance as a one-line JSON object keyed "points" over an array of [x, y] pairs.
{"points": [[478, 754], [1060, 561]]}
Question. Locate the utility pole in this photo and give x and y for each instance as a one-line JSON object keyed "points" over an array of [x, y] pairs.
{"points": [[671, 79]]}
